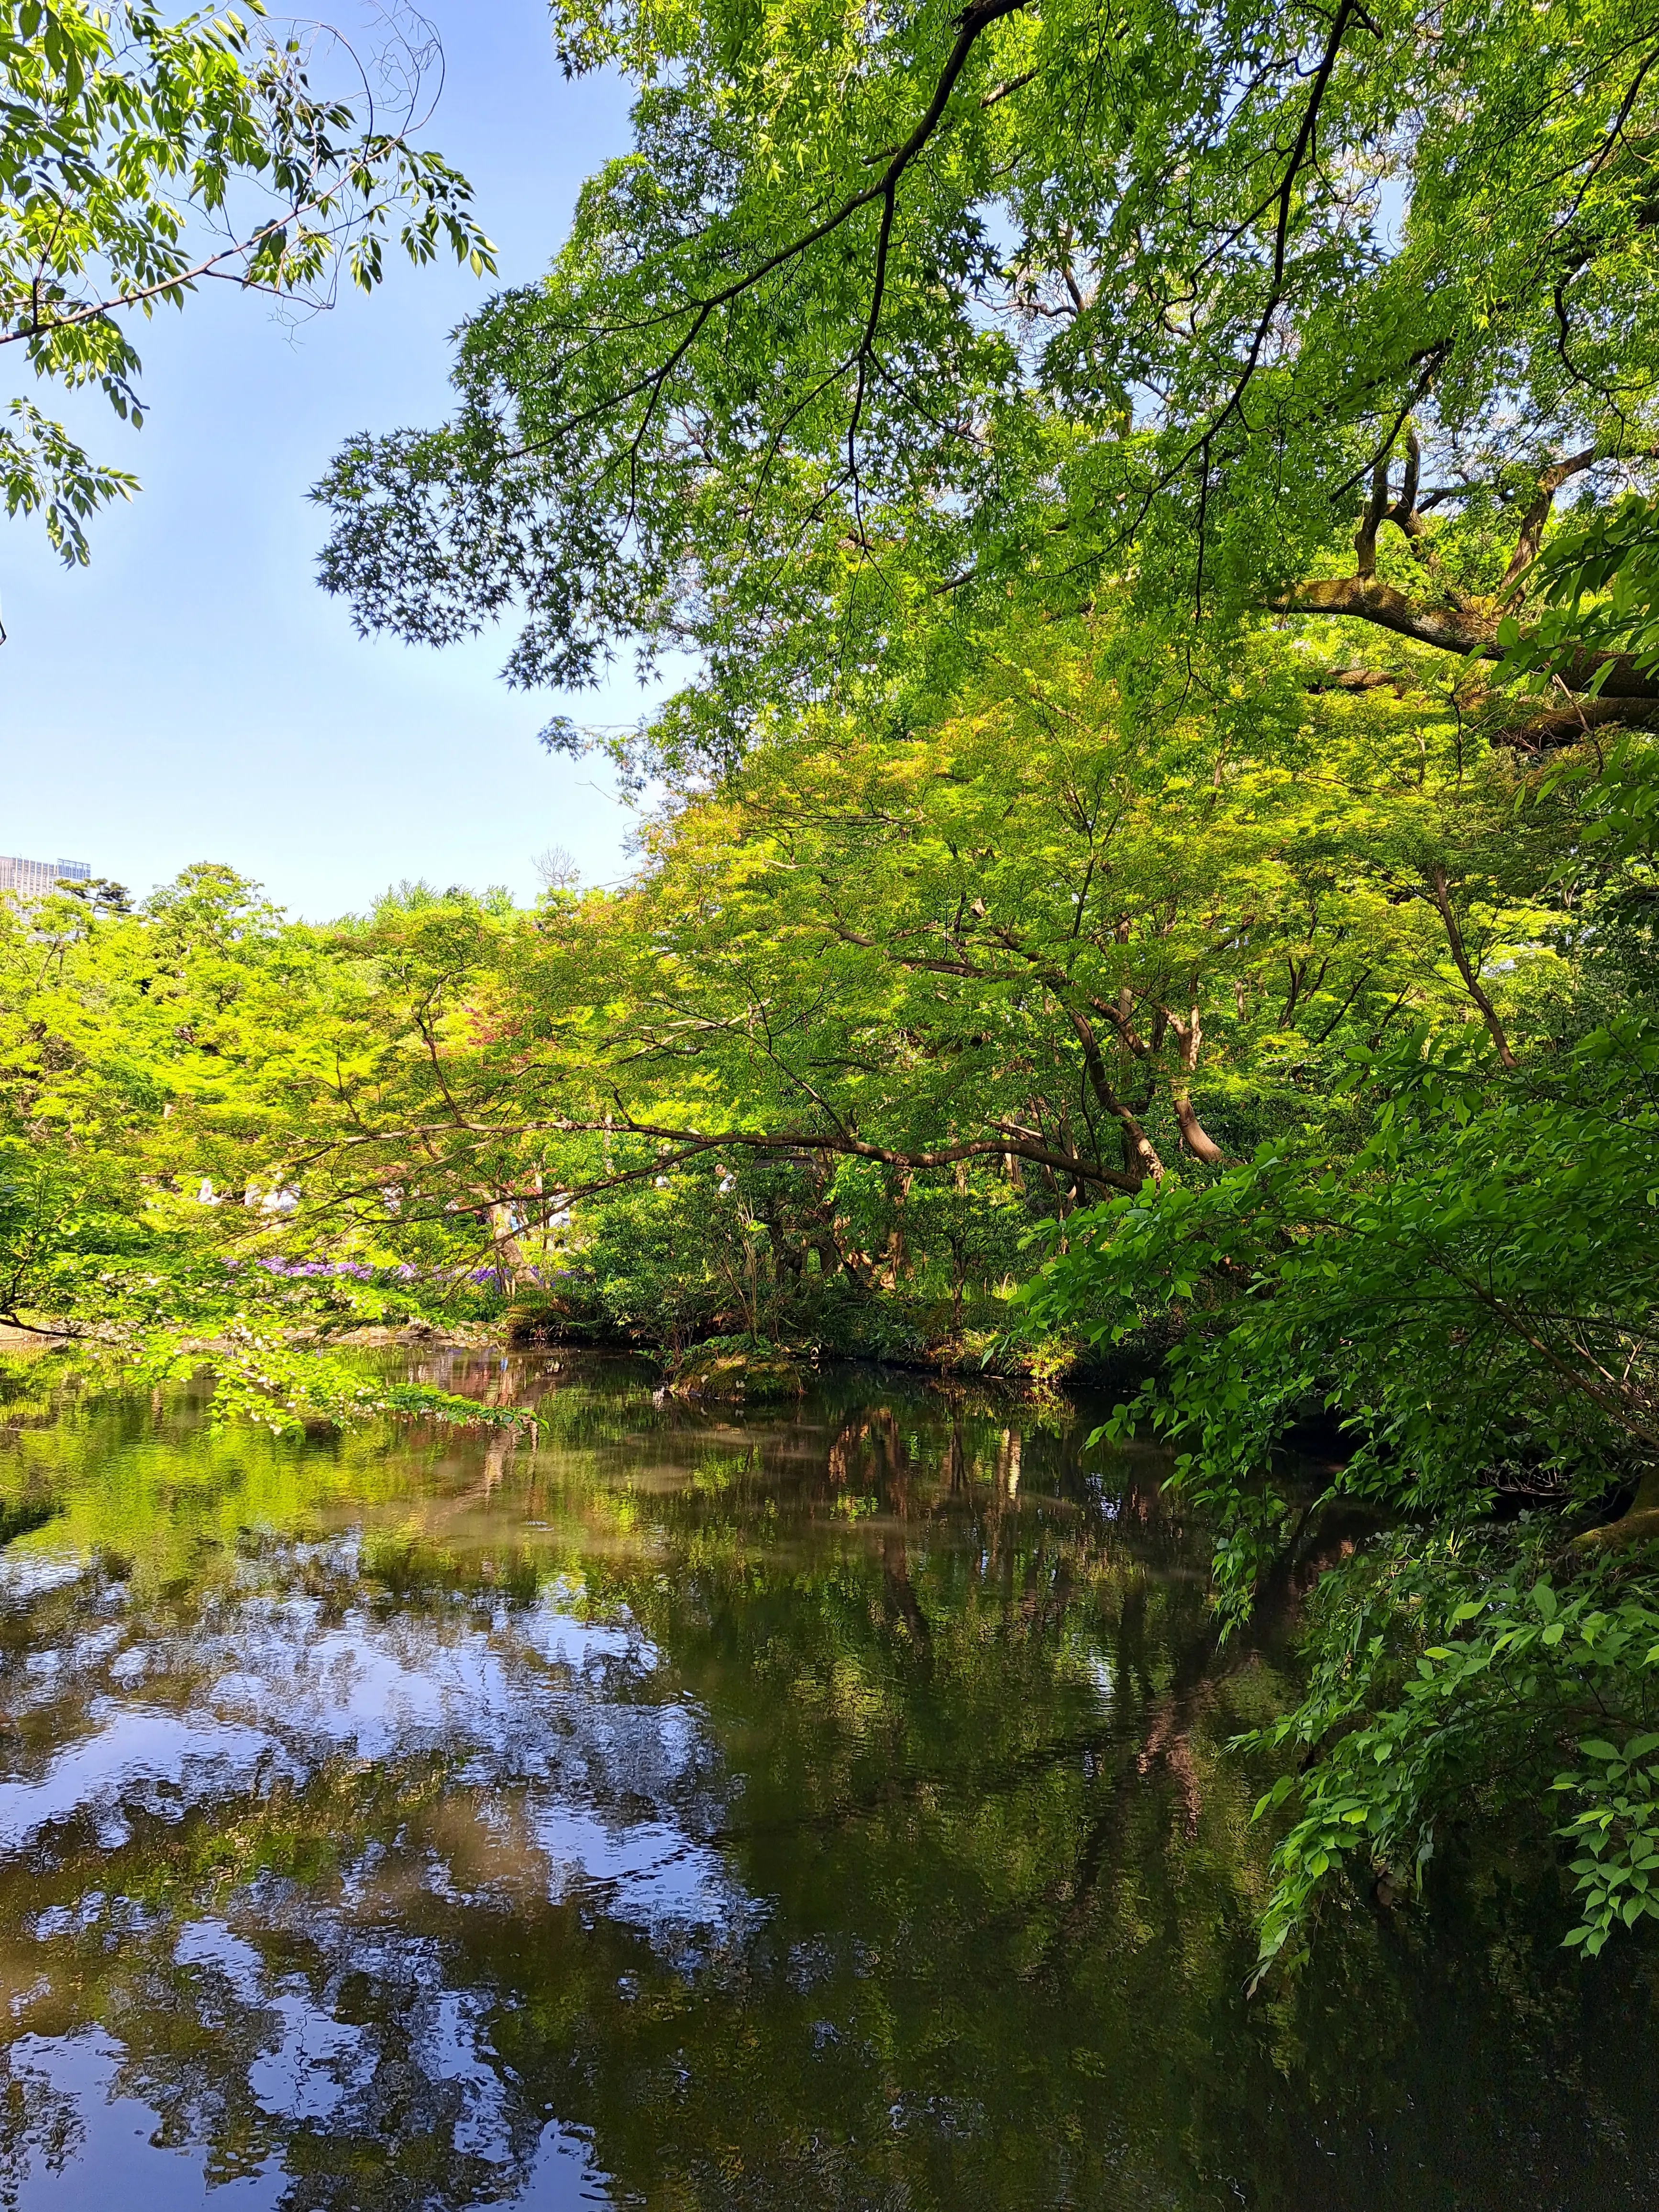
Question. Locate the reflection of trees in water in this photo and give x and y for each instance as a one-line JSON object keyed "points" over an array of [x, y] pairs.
{"points": [[40, 2128], [988, 1872], [293, 1983], [413, 2115]]}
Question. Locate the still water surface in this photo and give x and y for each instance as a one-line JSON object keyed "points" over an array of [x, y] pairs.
{"points": [[823, 1808]]}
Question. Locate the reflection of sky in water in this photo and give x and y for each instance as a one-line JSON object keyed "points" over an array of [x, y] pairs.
{"points": [[650, 1871], [139, 1758], [30, 1574], [555, 1729], [105, 2155], [616, 1781], [94, 2146]]}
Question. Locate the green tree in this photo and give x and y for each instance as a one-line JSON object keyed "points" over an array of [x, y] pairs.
{"points": [[141, 156], [1079, 930], [881, 319], [155, 1065]]}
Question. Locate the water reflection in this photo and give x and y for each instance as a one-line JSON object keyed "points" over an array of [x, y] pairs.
{"points": [[830, 1809]]}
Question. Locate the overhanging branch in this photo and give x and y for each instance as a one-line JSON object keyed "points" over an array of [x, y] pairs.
{"points": [[687, 1144], [1453, 629]]}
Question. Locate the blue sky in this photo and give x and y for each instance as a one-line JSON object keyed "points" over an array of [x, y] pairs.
{"points": [[193, 695]]}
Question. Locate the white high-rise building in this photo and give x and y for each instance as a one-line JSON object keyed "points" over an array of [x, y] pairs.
{"points": [[35, 879]]}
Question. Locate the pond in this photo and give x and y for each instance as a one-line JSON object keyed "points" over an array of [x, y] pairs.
{"points": [[822, 1807]]}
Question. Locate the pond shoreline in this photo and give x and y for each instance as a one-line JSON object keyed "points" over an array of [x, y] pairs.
{"points": [[1114, 1373]]}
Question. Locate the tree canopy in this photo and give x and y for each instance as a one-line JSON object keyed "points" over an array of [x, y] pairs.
{"points": [[883, 317]]}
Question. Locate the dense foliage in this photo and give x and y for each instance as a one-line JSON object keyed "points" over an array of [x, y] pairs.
{"points": [[135, 1053], [884, 316]]}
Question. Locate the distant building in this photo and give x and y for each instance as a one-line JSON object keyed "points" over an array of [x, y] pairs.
{"points": [[35, 879]]}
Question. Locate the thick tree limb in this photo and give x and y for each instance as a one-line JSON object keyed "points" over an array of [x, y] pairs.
{"points": [[1139, 1156], [1572, 724], [1189, 1035], [1532, 524], [1453, 629], [1362, 679]]}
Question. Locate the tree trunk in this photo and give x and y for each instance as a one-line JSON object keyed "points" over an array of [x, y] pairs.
{"points": [[1455, 629], [1140, 1156], [1637, 1524], [1471, 981], [1190, 1035]]}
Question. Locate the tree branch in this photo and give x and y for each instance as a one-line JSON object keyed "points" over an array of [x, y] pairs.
{"points": [[1572, 724], [1465, 968], [1550, 482], [971, 23], [1453, 629]]}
